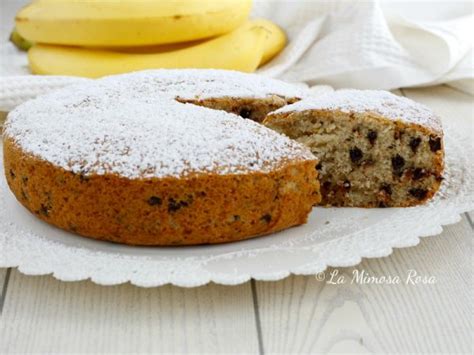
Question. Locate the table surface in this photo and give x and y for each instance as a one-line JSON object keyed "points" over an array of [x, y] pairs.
{"points": [[299, 314]]}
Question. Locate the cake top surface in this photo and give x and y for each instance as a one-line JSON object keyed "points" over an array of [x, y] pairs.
{"points": [[206, 83], [127, 126], [382, 103]]}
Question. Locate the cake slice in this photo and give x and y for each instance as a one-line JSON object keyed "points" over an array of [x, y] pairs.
{"points": [[375, 149]]}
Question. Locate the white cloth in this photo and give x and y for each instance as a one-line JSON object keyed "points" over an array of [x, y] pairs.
{"points": [[374, 44], [359, 44]]}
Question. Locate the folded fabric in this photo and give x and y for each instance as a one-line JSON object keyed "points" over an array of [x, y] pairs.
{"points": [[373, 44]]}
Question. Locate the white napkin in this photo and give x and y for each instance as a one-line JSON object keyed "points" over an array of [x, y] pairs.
{"points": [[359, 44], [374, 44]]}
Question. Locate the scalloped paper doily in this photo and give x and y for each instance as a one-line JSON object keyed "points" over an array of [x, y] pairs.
{"points": [[332, 237]]}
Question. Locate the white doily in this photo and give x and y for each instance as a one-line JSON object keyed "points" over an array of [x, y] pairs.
{"points": [[332, 237]]}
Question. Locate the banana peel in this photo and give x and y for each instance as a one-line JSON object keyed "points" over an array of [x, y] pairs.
{"points": [[128, 23], [242, 50], [20, 42], [250, 46]]}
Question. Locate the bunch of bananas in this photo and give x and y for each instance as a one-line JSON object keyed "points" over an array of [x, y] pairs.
{"points": [[101, 37]]}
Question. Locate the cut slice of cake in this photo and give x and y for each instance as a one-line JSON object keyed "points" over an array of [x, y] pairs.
{"points": [[375, 149]]}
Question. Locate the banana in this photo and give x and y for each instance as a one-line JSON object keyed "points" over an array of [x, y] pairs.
{"points": [[19, 41], [128, 23], [240, 50], [275, 41], [275, 38]]}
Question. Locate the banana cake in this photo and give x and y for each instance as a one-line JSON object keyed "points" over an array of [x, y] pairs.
{"points": [[137, 159]]}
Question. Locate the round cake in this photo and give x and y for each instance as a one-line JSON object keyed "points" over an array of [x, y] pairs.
{"points": [[136, 159]]}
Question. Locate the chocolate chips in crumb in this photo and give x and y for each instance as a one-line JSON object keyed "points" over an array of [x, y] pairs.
{"points": [[419, 194], [245, 112], [414, 143], [398, 163], [44, 210], [386, 188], [176, 205], [154, 201], [418, 173], [372, 136], [355, 154], [435, 144]]}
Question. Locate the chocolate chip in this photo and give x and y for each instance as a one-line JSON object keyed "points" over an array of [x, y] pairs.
{"points": [[398, 163], [319, 166], [24, 179], [154, 201], [414, 143], [12, 174], [418, 173], [173, 205], [266, 217], [355, 154], [44, 210], [326, 185], [439, 178], [245, 112], [382, 204], [435, 143], [372, 136], [347, 184], [419, 194], [236, 217], [386, 188]]}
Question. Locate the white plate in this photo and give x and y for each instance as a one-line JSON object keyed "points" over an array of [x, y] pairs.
{"points": [[332, 237]]}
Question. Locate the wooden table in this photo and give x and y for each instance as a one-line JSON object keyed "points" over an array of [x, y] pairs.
{"points": [[295, 315]]}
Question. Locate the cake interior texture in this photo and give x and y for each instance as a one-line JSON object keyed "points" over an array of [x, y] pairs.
{"points": [[366, 160], [255, 109]]}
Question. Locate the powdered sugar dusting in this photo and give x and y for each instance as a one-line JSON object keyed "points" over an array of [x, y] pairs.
{"points": [[131, 125], [379, 102], [202, 84]]}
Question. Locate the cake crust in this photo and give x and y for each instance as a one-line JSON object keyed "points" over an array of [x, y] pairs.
{"points": [[200, 209]]}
